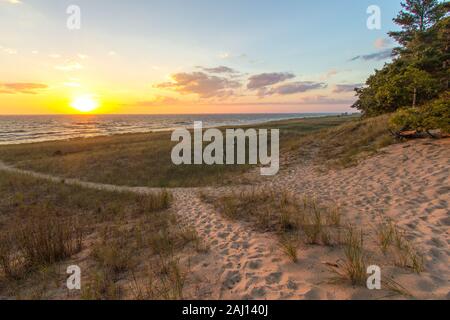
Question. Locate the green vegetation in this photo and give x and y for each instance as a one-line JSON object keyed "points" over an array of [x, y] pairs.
{"points": [[435, 114], [416, 82]]}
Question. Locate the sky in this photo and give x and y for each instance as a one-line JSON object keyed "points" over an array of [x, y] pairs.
{"points": [[188, 56]]}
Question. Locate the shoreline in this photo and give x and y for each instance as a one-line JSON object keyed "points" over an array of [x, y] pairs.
{"points": [[168, 129]]}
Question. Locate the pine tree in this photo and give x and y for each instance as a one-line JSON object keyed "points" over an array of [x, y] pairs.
{"points": [[421, 70], [416, 16]]}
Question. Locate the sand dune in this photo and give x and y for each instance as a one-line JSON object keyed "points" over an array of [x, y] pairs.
{"points": [[408, 183]]}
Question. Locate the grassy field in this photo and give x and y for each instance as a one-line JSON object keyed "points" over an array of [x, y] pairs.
{"points": [[118, 239], [144, 159]]}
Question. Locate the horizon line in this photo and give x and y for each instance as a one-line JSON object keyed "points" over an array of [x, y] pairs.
{"points": [[169, 114]]}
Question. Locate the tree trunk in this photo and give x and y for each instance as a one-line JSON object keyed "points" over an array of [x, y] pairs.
{"points": [[415, 97]]}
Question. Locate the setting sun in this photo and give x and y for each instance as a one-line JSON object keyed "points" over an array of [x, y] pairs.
{"points": [[84, 104]]}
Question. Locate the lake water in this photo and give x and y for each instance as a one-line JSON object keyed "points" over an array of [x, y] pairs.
{"points": [[25, 129]]}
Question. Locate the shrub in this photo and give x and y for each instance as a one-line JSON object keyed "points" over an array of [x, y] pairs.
{"points": [[431, 116]]}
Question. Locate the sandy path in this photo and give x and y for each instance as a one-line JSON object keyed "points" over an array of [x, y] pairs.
{"points": [[239, 263]]}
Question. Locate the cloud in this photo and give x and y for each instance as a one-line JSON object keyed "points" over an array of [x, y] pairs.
{"points": [[320, 99], [377, 56], [13, 1], [382, 43], [293, 88], [339, 88], [263, 80], [220, 69], [200, 83], [70, 66], [224, 55], [8, 50], [26, 88], [227, 55], [329, 74]]}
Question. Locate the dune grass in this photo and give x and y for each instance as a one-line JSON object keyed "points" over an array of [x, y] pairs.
{"points": [[113, 236], [295, 220], [345, 145], [144, 159], [391, 239]]}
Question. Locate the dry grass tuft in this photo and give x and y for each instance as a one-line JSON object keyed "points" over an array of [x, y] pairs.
{"points": [[41, 240], [291, 218], [289, 247], [166, 282], [392, 239], [354, 267]]}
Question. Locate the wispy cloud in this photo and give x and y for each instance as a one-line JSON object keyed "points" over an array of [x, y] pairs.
{"points": [[340, 88], [12, 1], [8, 50], [220, 69], [26, 88], [377, 56], [330, 73], [157, 102], [321, 99], [294, 88], [382, 43], [69, 66]]}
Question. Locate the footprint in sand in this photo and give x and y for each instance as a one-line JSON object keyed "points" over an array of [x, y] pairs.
{"points": [[258, 292], [232, 278], [255, 264], [274, 278]]}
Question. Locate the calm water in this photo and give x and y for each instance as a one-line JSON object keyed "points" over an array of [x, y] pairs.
{"points": [[25, 129]]}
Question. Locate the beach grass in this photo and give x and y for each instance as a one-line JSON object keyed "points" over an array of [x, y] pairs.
{"points": [[292, 219], [46, 226], [345, 145], [145, 159]]}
